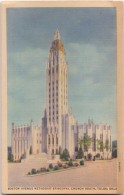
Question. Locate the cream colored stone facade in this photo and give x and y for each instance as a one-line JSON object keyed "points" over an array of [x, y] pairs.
{"points": [[101, 139], [25, 140], [57, 122]]}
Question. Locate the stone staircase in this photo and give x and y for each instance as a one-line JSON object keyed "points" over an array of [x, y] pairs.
{"points": [[35, 161]]}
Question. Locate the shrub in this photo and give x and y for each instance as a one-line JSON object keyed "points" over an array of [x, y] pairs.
{"points": [[66, 159], [33, 171], [56, 168], [76, 164], [38, 171], [59, 164], [51, 166], [43, 169], [65, 166], [47, 170], [65, 155], [81, 162], [29, 173], [70, 163], [89, 156], [98, 155], [80, 153]]}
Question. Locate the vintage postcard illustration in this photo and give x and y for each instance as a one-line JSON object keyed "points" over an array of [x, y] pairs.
{"points": [[62, 97]]}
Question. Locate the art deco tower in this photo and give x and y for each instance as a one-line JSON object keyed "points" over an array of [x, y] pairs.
{"points": [[57, 94]]}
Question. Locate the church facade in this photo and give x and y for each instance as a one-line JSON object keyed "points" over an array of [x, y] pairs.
{"points": [[59, 128]]}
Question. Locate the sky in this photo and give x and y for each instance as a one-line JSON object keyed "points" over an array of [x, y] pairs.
{"points": [[89, 38]]}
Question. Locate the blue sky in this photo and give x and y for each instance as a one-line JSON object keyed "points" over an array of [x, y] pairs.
{"points": [[89, 38]]}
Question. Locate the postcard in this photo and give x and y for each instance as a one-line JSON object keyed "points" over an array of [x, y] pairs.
{"points": [[62, 97]]}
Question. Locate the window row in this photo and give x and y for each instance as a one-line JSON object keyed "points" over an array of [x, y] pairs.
{"points": [[53, 107], [53, 118], [53, 93], [53, 140], [52, 100], [53, 112], [53, 70], [53, 82]]}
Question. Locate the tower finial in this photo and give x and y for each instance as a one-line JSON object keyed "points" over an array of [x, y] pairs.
{"points": [[57, 35]]}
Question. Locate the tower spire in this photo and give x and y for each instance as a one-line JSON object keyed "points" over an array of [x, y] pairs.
{"points": [[57, 35], [56, 95]]}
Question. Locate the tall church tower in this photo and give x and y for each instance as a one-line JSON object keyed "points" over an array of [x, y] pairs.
{"points": [[57, 94]]}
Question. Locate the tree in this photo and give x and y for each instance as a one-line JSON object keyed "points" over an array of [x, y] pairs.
{"points": [[89, 156], [80, 142], [114, 153], [80, 153], [85, 142], [10, 157], [65, 155], [99, 146], [30, 151], [114, 150], [107, 146]]}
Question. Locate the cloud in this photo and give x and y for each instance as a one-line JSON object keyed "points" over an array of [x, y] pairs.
{"points": [[91, 72], [89, 58], [92, 82], [26, 84], [32, 27], [89, 38]]}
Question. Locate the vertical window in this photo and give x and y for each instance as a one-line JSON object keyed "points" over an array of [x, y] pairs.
{"points": [[53, 140], [49, 139], [56, 140], [57, 68]]}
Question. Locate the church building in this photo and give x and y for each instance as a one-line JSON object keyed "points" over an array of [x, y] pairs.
{"points": [[58, 120], [59, 129]]}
